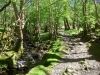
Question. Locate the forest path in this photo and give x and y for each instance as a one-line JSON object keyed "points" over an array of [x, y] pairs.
{"points": [[77, 60]]}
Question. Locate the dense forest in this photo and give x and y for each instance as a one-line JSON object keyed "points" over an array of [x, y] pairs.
{"points": [[32, 31]]}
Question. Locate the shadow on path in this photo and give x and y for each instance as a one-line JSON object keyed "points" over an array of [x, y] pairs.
{"points": [[77, 60], [94, 50]]}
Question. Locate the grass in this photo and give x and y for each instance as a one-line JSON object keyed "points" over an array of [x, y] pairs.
{"points": [[73, 31], [49, 61]]}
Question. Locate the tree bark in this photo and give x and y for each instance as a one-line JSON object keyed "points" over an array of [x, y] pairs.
{"points": [[20, 24], [66, 24], [38, 22], [85, 19], [50, 22], [96, 16]]}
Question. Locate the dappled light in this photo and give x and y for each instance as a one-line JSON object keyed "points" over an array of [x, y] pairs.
{"points": [[49, 37]]}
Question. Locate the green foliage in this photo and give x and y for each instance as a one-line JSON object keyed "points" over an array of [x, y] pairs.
{"points": [[59, 9], [1, 29], [14, 1]]}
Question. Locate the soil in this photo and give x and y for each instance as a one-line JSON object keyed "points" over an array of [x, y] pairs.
{"points": [[77, 60]]}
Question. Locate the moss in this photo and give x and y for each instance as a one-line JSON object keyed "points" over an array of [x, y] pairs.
{"points": [[9, 58], [48, 62]]}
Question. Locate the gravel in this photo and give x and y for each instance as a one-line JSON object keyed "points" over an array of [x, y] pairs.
{"points": [[72, 60]]}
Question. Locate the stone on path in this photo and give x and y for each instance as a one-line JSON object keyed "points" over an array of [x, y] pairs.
{"points": [[80, 43], [72, 60]]}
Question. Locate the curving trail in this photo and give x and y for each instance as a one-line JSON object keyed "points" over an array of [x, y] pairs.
{"points": [[77, 60]]}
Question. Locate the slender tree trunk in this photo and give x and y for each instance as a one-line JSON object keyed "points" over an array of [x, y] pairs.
{"points": [[56, 27], [96, 16], [38, 22], [74, 22], [50, 22], [20, 24], [66, 24], [74, 19], [85, 19], [56, 21], [46, 28]]}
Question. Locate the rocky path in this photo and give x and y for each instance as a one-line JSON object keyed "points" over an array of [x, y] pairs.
{"points": [[77, 60]]}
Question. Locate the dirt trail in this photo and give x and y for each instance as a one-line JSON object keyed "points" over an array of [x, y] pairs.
{"points": [[77, 60]]}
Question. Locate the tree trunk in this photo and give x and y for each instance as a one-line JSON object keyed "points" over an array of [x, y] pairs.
{"points": [[66, 24], [96, 16], [38, 22], [74, 23], [20, 24], [50, 22], [85, 19], [56, 27], [74, 19]]}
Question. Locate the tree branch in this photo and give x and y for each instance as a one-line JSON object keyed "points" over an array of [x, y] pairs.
{"points": [[5, 6]]}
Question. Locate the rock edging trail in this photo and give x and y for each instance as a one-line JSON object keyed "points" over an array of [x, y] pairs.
{"points": [[77, 60]]}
